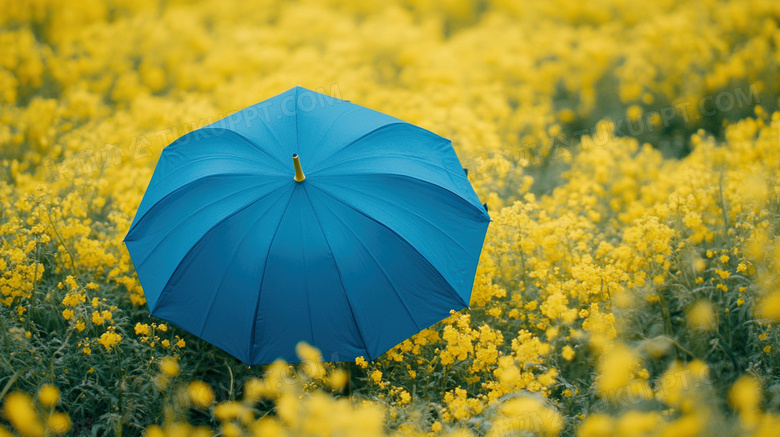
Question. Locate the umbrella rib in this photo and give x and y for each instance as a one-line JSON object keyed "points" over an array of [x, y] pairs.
{"points": [[178, 189], [328, 129], [479, 208], [341, 281], [224, 274], [253, 144], [206, 158], [306, 286], [356, 140], [380, 199], [384, 273], [391, 155], [297, 145], [178, 266], [262, 280], [192, 162], [199, 210], [400, 238]]}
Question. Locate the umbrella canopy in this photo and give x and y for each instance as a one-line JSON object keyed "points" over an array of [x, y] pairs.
{"points": [[307, 218]]}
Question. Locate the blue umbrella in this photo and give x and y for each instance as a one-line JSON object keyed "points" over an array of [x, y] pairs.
{"points": [[307, 218]]}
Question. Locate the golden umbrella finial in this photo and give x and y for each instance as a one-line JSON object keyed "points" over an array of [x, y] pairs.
{"points": [[299, 177]]}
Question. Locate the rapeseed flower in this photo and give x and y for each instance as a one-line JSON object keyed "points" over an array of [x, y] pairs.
{"points": [[48, 395]]}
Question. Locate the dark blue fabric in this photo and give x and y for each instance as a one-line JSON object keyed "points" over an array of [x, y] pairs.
{"points": [[381, 240]]}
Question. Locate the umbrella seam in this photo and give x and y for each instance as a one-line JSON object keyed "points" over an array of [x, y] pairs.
{"points": [[424, 163], [252, 143], [459, 297], [417, 215], [341, 280], [197, 160], [262, 280], [306, 283], [316, 145], [224, 275], [188, 184], [179, 224], [278, 143], [480, 209], [297, 145], [392, 285], [303, 246], [358, 139], [458, 175], [391, 155], [204, 236]]}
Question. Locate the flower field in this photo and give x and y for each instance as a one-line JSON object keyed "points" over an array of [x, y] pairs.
{"points": [[629, 154]]}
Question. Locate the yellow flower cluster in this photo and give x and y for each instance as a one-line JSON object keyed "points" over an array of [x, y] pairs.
{"points": [[627, 151], [25, 418]]}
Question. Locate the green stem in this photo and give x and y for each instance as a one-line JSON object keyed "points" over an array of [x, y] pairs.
{"points": [[70, 254]]}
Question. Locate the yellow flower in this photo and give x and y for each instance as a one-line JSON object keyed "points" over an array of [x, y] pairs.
{"points": [[141, 329], [616, 368], [67, 313], [253, 389], [638, 423], [567, 353], [527, 414], [361, 362], [702, 316], [745, 397], [338, 379], [200, 394], [307, 352], [180, 344], [96, 319], [169, 366], [689, 425], [109, 339], [73, 299], [376, 376], [230, 429], [166, 343], [229, 410], [20, 411], [154, 431], [80, 326], [597, 425], [769, 306], [162, 327], [48, 395], [71, 281], [59, 423]]}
